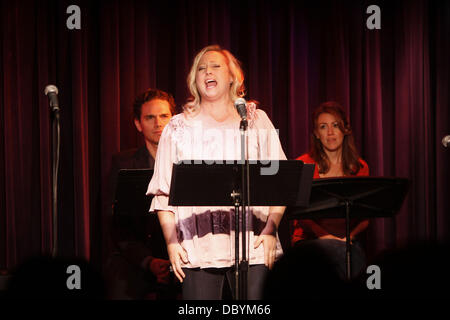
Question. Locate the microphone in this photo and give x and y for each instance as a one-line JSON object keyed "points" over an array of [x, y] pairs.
{"points": [[241, 106], [52, 92], [446, 141]]}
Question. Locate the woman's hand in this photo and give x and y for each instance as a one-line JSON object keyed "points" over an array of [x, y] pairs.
{"points": [[270, 247], [174, 249], [268, 236], [176, 255]]}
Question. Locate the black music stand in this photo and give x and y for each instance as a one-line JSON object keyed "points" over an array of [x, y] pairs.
{"points": [[355, 197], [130, 194], [202, 183]]}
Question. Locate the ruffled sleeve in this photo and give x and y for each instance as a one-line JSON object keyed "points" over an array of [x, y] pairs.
{"points": [[166, 156]]}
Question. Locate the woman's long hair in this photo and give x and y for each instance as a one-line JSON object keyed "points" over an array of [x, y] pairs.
{"points": [[237, 88], [350, 156]]}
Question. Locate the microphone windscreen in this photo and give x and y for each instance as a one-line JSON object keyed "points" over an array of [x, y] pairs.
{"points": [[50, 88], [240, 105], [446, 141]]}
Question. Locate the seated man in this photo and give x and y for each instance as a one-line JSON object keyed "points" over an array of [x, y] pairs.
{"points": [[138, 267]]}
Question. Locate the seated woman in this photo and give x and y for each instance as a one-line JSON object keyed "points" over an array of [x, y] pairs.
{"points": [[334, 153]]}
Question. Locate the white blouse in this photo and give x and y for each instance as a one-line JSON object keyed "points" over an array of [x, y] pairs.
{"points": [[207, 233]]}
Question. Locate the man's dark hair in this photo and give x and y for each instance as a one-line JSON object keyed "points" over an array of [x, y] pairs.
{"points": [[151, 94]]}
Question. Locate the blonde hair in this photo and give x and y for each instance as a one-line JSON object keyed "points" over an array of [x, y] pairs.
{"points": [[237, 88]]}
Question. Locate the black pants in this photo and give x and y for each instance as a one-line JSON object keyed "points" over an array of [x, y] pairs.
{"points": [[208, 283], [336, 251]]}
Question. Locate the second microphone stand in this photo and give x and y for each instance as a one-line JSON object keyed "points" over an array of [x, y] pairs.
{"points": [[55, 166]]}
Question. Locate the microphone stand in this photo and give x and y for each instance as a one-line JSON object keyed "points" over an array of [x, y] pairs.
{"points": [[55, 165], [245, 190]]}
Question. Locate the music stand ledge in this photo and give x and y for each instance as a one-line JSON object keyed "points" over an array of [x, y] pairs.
{"points": [[204, 183], [354, 197]]}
